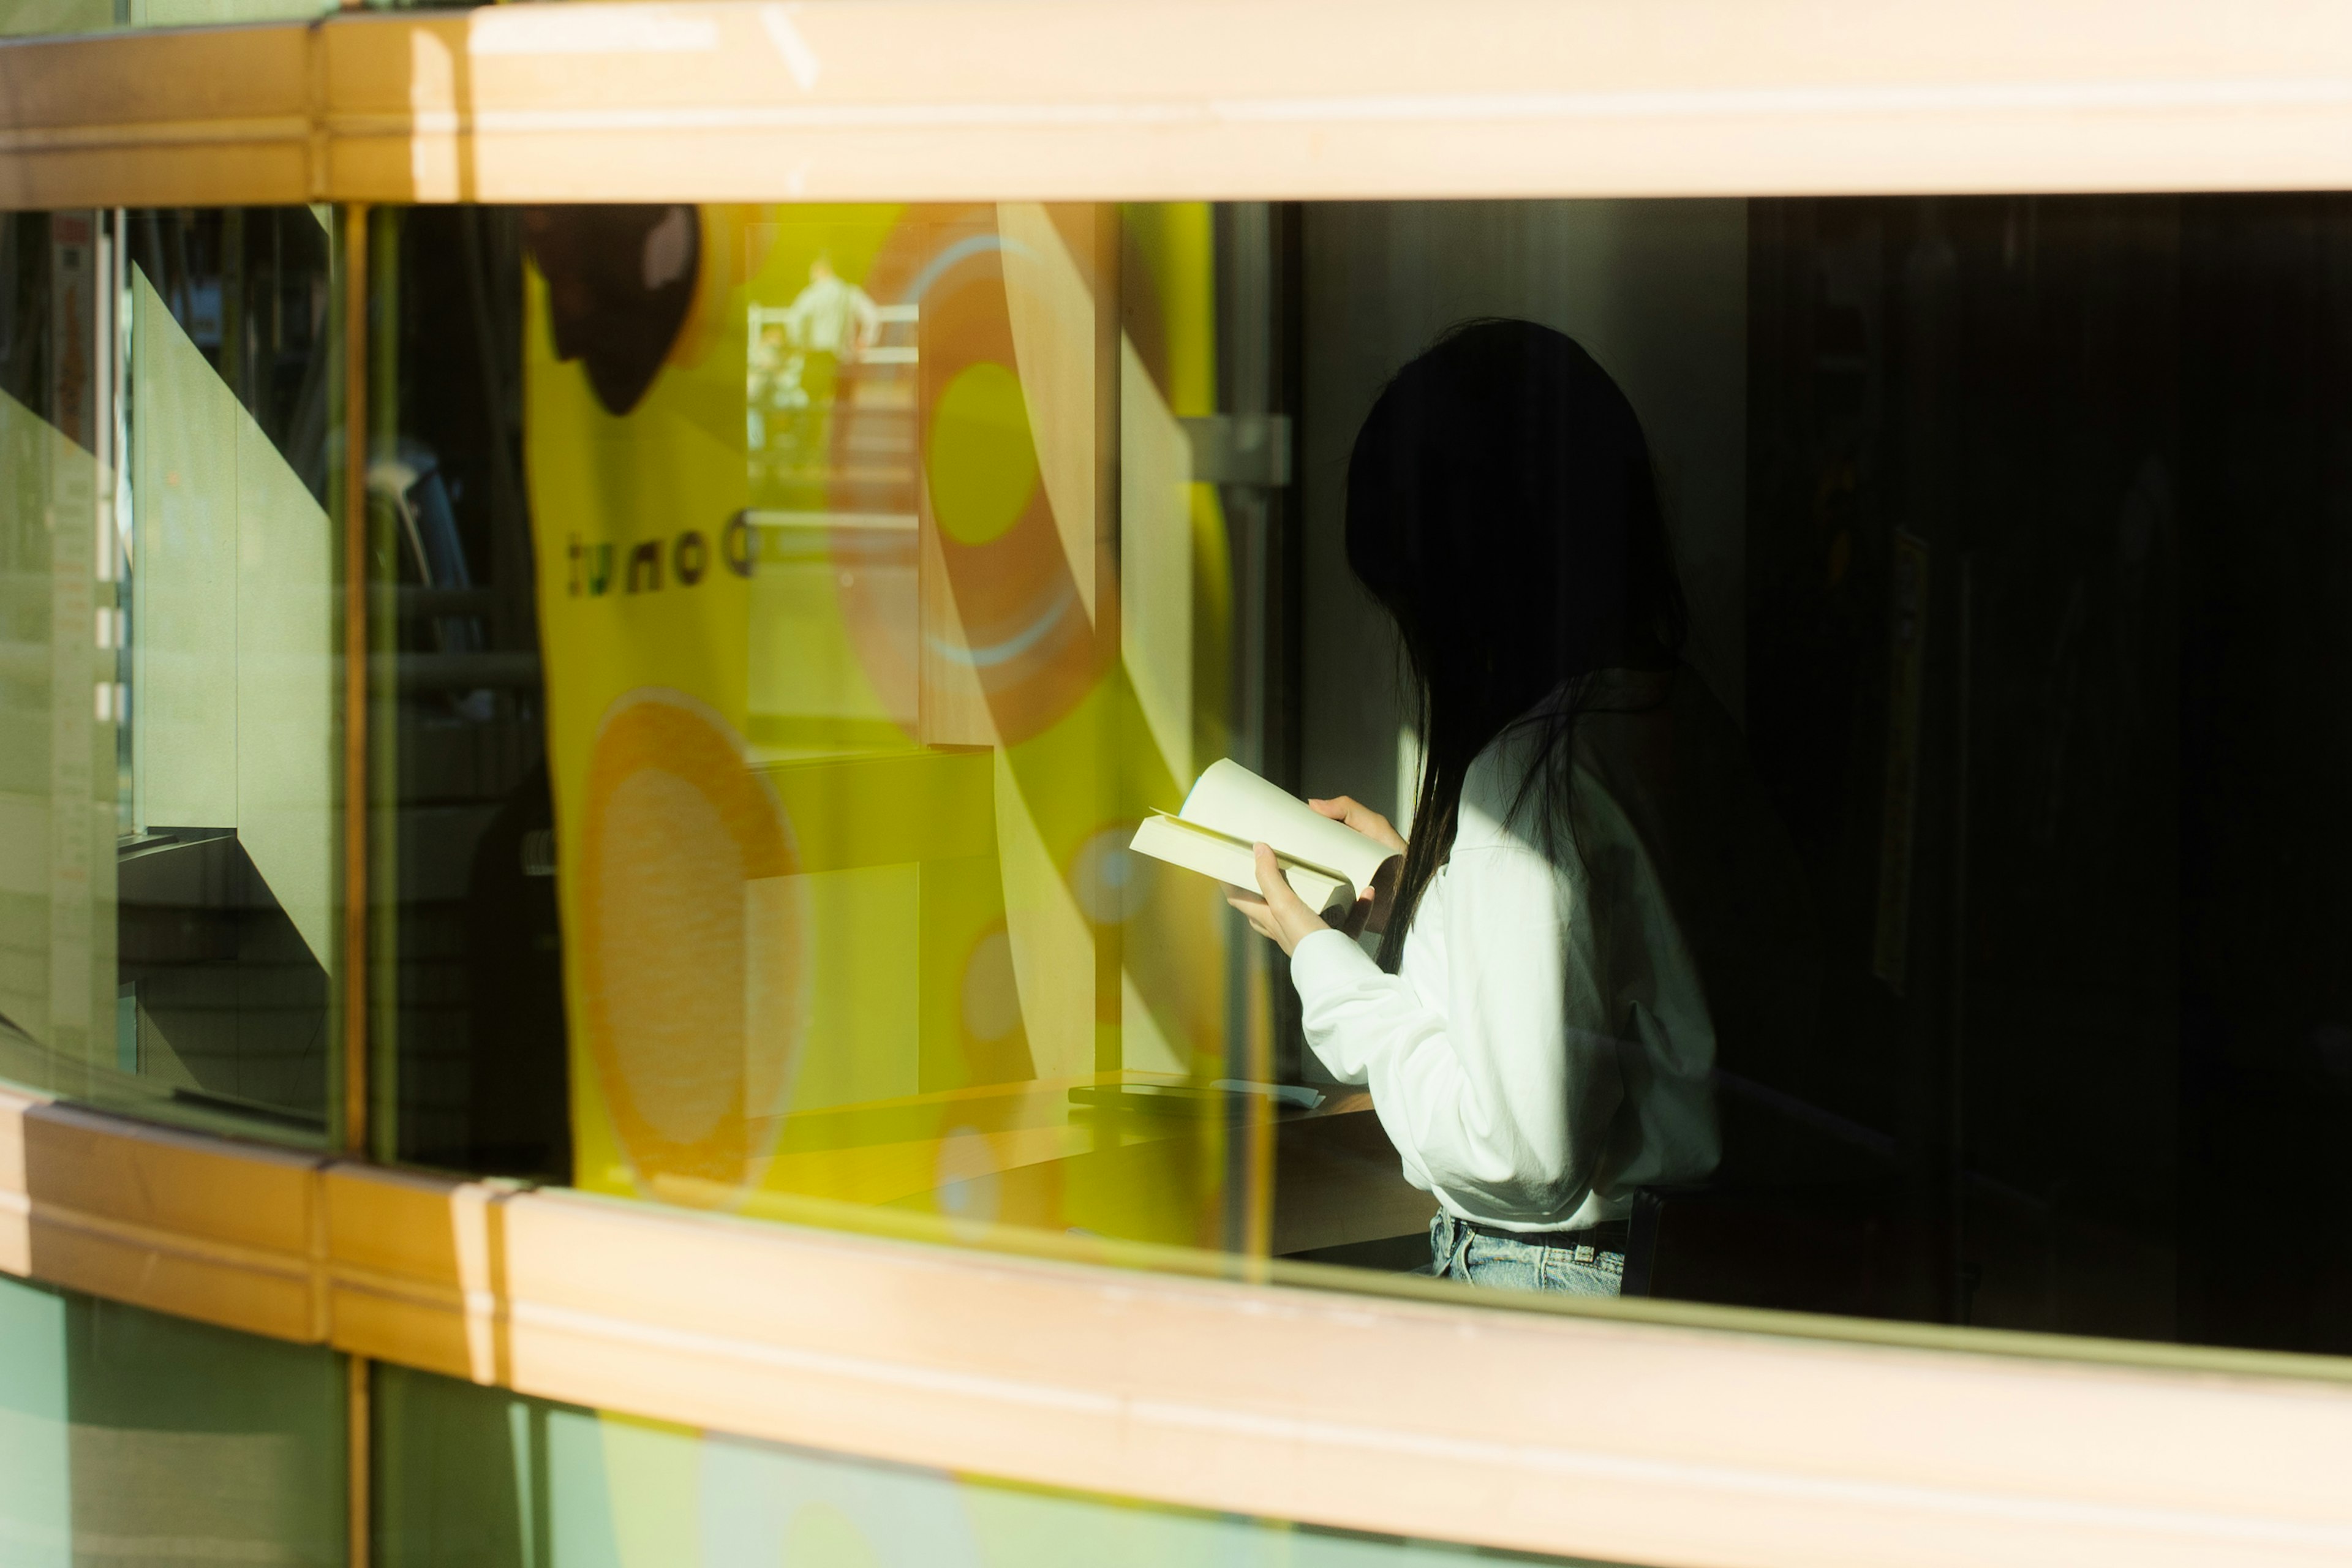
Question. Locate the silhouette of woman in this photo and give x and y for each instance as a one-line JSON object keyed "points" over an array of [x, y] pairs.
{"points": [[1534, 1033]]}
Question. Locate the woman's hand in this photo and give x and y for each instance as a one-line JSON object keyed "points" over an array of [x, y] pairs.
{"points": [[1372, 905], [1275, 910]]}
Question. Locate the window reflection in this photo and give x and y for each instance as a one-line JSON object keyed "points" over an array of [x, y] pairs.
{"points": [[871, 572], [171, 704], [848, 735]]}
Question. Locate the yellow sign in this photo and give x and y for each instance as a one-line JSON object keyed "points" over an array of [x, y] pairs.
{"points": [[852, 708]]}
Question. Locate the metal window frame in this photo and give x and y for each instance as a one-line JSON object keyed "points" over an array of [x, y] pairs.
{"points": [[1637, 1431]]}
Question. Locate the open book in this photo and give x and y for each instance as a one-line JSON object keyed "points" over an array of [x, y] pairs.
{"points": [[1230, 810]]}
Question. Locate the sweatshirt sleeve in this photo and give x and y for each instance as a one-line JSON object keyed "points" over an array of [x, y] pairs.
{"points": [[1502, 1101]]}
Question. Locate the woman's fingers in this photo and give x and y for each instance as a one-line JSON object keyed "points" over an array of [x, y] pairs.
{"points": [[1276, 911], [1292, 922], [1280, 896], [1362, 818], [1252, 910], [1345, 808], [1258, 922]]}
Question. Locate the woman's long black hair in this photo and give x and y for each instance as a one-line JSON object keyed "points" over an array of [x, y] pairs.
{"points": [[1501, 506]]}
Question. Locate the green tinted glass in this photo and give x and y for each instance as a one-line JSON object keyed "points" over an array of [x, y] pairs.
{"points": [[476, 1478], [126, 1436]]}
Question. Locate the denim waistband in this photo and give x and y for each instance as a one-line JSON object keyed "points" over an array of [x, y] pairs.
{"points": [[1609, 1236]]}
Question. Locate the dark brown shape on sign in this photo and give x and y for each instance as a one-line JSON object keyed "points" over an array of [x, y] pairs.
{"points": [[620, 282]]}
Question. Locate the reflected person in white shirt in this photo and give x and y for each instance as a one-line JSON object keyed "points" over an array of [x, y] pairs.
{"points": [[1536, 1033], [832, 315]]}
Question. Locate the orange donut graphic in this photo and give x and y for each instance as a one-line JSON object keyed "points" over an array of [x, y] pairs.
{"points": [[692, 940], [1028, 636]]}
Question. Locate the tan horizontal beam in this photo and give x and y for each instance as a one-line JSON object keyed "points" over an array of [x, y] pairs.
{"points": [[901, 99], [1633, 1431], [204, 1227], [194, 117]]}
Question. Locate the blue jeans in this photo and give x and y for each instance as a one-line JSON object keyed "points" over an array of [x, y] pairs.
{"points": [[1458, 1252]]}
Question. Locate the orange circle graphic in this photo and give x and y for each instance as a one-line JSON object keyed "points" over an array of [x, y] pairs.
{"points": [[692, 940], [1026, 638]]}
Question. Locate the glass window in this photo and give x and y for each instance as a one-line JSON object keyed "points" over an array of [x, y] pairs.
{"points": [[1853, 675], [129, 1437], [168, 403], [27, 17], [477, 1478], [778, 826]]}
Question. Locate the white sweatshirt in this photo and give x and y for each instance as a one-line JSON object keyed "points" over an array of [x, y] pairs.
{"points": [[1545, 1049]]}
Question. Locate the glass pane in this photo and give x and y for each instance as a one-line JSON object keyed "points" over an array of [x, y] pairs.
{"points": [[1860, 670], [27, 17], [477, 1478], [126, 1436], [172, 905], [849, 711]]}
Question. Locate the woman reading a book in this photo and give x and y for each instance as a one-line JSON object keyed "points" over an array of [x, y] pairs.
{"points": [[1534, 1033]]}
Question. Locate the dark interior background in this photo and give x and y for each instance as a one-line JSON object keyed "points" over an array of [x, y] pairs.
{"points": [[2107, 1094]]}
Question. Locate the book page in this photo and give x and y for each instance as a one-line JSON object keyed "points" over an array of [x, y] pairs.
{"points": [[1232, 800], [1181, 843]]}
